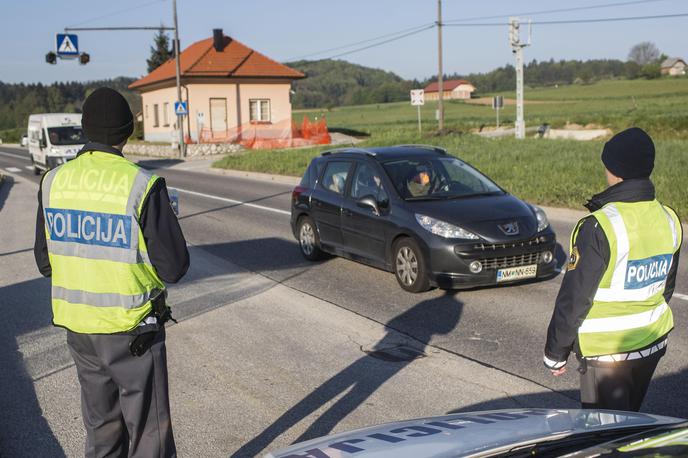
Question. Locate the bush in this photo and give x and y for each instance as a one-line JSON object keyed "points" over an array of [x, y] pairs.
{"points": [[12, 135], [651, 71]]}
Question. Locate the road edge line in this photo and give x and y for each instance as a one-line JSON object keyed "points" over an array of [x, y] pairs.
{"points": [[233, 201]]}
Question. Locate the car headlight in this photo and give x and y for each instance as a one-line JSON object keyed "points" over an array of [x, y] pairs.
{"points": [[541, 218], [443, 229]]}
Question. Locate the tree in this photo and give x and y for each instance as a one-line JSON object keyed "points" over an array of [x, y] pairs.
{"points": [[161, 51], [651, 71], [644, 53]]}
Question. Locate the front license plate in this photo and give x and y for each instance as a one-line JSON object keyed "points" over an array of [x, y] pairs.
{"points": [[516, 273]]}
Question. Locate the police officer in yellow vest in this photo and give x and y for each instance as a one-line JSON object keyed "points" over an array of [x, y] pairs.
{"points": [[107, 235], [612, 309]]}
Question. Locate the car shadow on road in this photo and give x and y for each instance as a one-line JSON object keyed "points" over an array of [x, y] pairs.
{"points": [[263, 255], [357, 382], [24, 430]]}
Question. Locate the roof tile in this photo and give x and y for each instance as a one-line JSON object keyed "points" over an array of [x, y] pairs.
{"points": [[447, 85], [236, 59]]}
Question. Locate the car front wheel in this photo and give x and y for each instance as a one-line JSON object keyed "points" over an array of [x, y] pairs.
{"points": [[309, 242], [409, 266]]}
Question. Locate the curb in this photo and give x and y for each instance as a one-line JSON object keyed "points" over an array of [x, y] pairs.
{"points": [[283, 179]]}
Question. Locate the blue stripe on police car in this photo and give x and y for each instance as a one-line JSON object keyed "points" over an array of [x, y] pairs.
{"points": [[89, 228]]}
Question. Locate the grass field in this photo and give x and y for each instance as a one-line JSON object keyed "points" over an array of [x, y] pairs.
{"points": [[658, 106], [562, 173]]}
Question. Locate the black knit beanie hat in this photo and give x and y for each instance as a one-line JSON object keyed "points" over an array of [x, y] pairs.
{"points": [[630, 154], [107, 117]]}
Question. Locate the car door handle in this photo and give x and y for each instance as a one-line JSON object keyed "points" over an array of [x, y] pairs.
{"points": [[347, 212]]}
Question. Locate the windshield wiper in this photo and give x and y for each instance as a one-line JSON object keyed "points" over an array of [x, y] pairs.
{"points": [[477, 194]]}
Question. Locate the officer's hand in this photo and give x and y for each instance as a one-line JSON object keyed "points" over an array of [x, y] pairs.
{"points": [[558, 372]]}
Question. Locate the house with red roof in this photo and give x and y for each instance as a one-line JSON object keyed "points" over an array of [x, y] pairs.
{"points": [[227, 86], [452, 89]]}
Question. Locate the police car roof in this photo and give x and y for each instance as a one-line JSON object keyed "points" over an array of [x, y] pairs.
{"points": [[385, 153]]}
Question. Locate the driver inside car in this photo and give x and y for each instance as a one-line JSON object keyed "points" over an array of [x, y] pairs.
{"points": [[419, 184]]}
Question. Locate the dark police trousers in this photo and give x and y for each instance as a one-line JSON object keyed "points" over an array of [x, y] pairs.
{"points": [[619, 385], [124, 398]]}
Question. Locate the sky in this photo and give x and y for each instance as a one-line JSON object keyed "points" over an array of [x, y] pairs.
{"points": [[287, 29]]}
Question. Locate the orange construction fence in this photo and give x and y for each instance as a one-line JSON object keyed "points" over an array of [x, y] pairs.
{"points": [[283, 134]]}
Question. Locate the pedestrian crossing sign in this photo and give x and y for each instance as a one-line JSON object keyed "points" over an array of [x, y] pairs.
{"points": [[67, 45], [180, 109]]}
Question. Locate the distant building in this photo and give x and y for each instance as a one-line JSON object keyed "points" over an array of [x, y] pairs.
{"points": [[674, 66], [226, 85], [453, 89]]}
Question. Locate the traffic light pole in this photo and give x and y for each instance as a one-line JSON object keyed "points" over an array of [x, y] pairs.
{"points": [[180, 118], [180, 123]]}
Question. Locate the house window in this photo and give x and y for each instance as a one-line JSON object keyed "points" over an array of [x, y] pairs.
{"points": [[156, 116], [260, 110], [146, 111], [166, 114]]}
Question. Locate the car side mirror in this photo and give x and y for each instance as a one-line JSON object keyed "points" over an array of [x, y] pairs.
{"points": [[369, 202], [42, 143]]}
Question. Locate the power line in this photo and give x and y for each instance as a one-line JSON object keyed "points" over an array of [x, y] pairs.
{"points": [[337, 48], [575, 21], [427, 27], [114, 13], [560, 10]]}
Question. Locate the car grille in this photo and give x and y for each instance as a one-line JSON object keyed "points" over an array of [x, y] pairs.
{"points": [[518, 260], [506, 246]]}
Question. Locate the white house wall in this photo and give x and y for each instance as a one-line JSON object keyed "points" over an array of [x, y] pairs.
{"points": [[199, 96]]}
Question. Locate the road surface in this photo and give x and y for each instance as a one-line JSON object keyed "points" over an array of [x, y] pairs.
{"points": [[241, 225]]}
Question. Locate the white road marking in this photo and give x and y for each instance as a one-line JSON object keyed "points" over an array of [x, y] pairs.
{"points": [[28, 167], [12, 169], [14, 156], [681, 296], [232, 201]]}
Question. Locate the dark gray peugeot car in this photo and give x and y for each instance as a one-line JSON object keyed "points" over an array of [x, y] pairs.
{"points": [[421, 213]]}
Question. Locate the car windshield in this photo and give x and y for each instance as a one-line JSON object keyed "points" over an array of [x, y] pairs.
{"points": [[438, 178], [67, 135]]}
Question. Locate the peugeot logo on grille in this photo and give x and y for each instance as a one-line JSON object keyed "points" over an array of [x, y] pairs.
{"points": [[509, 228]]}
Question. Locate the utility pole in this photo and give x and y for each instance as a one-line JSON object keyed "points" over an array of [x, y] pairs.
{"points": [[180, 118], [440, 85], [517, 49]]}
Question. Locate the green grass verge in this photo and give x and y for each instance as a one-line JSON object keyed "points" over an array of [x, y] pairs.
{"points": [[562, 173]]}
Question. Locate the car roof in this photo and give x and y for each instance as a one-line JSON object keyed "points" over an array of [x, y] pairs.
{"points": [[386, 153]]}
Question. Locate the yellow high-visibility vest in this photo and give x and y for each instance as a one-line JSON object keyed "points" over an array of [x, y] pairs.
{"points": [[628, 311], [102, 278]]}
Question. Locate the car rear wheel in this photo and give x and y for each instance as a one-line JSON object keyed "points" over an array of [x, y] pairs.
{"points": [[309, 242], [409, 266]]}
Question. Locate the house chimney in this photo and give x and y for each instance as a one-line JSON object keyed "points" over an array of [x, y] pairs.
{"points": [[218, 40]]}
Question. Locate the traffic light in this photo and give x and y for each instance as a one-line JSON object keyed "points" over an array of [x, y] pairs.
{"points": [[51, 58], [84, 58]]}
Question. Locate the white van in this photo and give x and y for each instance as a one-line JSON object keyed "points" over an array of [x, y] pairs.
{"points": [[54, 139]]}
